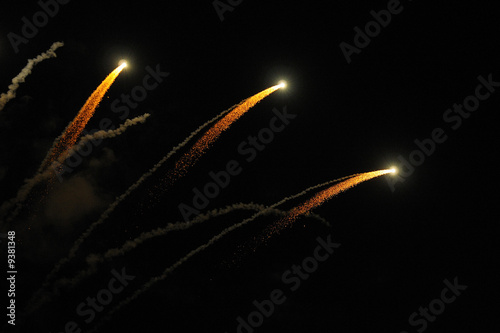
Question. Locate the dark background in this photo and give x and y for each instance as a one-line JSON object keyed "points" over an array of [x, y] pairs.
{"points": [[397, 247]]}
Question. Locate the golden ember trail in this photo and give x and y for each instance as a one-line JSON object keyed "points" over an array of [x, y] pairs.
{"points": [[73, 131], [196, 151], [320, 198]]}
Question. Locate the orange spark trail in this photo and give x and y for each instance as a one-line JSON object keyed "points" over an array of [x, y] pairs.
{"points": [[193, 155], [320, 198], [73, 131]]}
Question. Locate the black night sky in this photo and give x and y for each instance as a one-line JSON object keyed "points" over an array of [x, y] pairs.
{"points": [[419, 91]]}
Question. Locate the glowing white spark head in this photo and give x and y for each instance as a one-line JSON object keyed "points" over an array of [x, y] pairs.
{"points": [[123, 63], [393, 170], [282, 84]]}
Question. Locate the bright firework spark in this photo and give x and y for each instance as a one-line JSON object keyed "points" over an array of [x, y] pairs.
{"points": [[198, 149], [123, 62], [75, 128]]}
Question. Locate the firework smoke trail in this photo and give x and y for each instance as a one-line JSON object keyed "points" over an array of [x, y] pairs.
{"points": [[41, 175], [73, 131], [223, 125], [37, 298], [11, 93], [72, 252], [94, 259], [103, 134], [196, 151], [145, 287], [229, 115]]}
